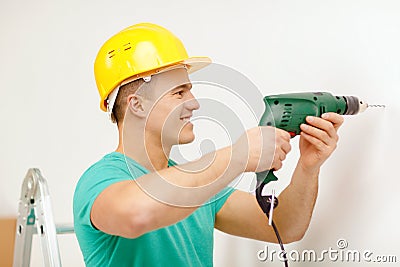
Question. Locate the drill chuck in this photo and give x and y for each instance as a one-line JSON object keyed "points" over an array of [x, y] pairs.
{"points": [[354, 105]]}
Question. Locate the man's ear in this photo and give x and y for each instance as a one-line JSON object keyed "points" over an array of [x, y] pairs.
{"points": [[136, 105]]}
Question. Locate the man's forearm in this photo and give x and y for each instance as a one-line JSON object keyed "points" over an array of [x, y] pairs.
{"points": [[296, 203], [194, 182]]}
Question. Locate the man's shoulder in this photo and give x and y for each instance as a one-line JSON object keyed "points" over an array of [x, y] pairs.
{"points": [[110, 162], [112, 167]]}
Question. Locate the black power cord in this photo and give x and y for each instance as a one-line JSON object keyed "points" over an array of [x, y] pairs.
{"points": [[265, 203]]}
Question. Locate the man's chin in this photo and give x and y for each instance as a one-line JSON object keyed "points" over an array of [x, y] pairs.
{"points": [[186, 139]]}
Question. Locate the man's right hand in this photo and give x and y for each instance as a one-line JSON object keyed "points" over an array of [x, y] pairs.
{"points": [[262, 148]]}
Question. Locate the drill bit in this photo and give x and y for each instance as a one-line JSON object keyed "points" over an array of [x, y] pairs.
{"points": [[376, 106], [363, 106]]}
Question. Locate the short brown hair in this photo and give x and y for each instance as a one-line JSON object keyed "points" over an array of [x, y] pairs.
{"points": [[119, 108]]}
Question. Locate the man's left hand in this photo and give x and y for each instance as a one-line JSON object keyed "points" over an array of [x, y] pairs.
{"points": [[318, 139]]}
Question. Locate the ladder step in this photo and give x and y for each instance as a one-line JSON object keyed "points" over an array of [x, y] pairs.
{"points": [[65, 229], [60, 229]]}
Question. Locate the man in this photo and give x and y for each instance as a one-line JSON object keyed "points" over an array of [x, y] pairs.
{"points": [[135, 207]]}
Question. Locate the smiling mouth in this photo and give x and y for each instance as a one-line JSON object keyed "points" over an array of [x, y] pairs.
{"points": [[186, 119]]}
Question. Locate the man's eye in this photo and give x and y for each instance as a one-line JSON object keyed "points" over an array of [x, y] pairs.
{"points": [[180, 93]]}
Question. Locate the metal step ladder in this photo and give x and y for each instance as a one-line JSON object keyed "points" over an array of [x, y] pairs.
{"points": [[35, 216]]}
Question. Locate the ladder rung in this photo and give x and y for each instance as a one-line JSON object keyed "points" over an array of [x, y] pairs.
{"points": [[60, 229], [65, 229]]}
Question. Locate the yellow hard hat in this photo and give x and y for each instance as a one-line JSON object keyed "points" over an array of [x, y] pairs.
{"points": [[138, 51]]}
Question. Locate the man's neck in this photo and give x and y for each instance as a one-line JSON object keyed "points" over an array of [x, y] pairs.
{"points": [[150, 154]]}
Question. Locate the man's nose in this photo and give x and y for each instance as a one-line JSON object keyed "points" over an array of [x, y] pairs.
{"points": [[191, 103]]}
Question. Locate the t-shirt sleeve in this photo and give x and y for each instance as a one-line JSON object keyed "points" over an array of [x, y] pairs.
{"points": [[221, 197], [93, 182]]}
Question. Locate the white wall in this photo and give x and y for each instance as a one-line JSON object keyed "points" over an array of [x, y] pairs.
{"points": [[50, 117]]}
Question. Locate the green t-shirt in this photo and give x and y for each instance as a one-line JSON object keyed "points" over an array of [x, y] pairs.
{"points": [[186, 243]]}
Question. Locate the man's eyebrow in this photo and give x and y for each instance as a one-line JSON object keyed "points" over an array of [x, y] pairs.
{"points": [[183, 86]]}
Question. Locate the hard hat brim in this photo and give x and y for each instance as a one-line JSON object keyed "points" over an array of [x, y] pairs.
{"points": [[193, 64], [196, 63]]}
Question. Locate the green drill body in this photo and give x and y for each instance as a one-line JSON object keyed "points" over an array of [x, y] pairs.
{"points": [[289, 111]]}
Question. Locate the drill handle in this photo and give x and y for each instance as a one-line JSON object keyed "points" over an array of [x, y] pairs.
{"points": [[263, 178], [266, 176]]}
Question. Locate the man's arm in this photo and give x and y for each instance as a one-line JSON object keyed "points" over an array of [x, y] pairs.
{"points": [[132, 208], [241, 214]]}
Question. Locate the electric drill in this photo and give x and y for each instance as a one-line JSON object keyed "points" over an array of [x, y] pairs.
{"points": [[289, 111]]}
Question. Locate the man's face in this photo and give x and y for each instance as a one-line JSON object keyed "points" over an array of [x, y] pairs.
{"points": [[171, 107]]}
